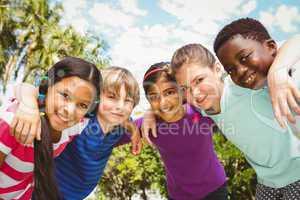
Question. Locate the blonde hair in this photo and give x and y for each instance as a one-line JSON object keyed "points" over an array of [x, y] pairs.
{"points": [[114, 77]]}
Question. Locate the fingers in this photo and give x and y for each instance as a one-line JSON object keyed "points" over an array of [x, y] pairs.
{"points": [[24, 133], [296, 93], [296, 97], [153, 131], [13, 125], [145, 133], [277, 113], [136, 146], [18, 130], [32, 134], [285, 110], [293, 103], [139, 147]]}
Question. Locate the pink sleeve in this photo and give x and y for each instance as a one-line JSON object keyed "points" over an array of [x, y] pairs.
{"points": [[7, 141]]}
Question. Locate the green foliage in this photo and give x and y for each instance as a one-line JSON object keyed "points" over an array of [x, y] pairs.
{"points": [[241, 177], [126, 175], [31, 36]]}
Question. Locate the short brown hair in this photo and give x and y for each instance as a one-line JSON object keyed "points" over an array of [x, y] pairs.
{"points": [[114, 77], [192, 53]]}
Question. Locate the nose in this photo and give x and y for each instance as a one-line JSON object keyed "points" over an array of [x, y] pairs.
{"points": [[69, 109], [241, 71], [120, 104], [195, 92], [163, 102]]}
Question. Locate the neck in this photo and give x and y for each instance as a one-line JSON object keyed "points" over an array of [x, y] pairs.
{"points": [[177, 116], [105, 126], [216, 108], [55, 135]]}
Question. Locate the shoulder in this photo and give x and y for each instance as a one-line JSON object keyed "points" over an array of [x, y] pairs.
{"points": [[139, 121], [7, 141], [8, 110]]}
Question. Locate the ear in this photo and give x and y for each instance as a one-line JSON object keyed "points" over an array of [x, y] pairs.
{"points": [[218, 69], [271, 45]]}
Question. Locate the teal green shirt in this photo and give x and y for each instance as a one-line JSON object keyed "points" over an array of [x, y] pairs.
{"points": [[247, 120]]}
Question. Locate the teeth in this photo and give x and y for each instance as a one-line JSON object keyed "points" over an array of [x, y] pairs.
{"points": [[250, 78], [62, 117], [166, 110]]}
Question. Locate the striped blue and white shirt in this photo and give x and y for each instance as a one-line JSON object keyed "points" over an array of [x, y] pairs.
{"points": [[80, 167]]}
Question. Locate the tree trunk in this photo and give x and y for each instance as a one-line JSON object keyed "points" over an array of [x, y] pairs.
{"points": [[8, 71]]}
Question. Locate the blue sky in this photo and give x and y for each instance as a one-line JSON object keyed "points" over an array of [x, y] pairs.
{"points": [[141, 33]]}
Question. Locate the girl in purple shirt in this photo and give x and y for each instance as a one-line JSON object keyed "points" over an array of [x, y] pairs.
{"points": [[184, 141]]}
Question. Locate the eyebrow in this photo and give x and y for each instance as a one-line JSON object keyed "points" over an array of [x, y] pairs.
{"points": [[200, 75], [239, 53], [78, 98]]}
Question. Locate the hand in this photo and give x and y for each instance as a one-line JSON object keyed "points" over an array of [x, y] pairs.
{"points": [[136, 142], [149, 125], [26, 125], [284, 96]]}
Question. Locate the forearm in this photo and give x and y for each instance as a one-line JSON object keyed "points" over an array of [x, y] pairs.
{"points": [[287, 55], [27, 95]]}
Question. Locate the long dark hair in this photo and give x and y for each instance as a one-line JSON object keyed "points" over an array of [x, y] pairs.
{"points": [[45, 186]]}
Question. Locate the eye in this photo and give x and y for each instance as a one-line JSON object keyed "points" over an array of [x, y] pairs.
{"points": [[229, 70], [83, 106], [64, 95], [170, 92], [111, 95], [198, 81], [244, 58], [183, 88], [153, 97], [129, 100]]}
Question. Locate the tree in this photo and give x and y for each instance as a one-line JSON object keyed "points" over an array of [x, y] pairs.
{"points": [[31, 37], [126, 175]]}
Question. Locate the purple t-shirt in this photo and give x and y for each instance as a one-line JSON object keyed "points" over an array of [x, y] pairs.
{"points": [[186, 148]]}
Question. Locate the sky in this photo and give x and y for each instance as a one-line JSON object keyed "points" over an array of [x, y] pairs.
{"points": [[141, 33]]}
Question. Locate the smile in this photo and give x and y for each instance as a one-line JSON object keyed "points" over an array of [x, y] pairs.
{"points": [[250, 78], [117, 114], [62, 118], [165, 110], [201, 99]]}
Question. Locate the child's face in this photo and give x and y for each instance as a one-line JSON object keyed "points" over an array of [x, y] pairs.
{"points": [[247, 61], [68, 101], [115, 106], [201, 85], [165, 99]]}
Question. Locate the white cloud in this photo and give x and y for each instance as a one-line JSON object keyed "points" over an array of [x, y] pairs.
{"points": [[81, 25], [104, 14], [73, 15], [73, 8], [285, 18], [192, 12], [202, 18], [131, 6], [248, 7]]}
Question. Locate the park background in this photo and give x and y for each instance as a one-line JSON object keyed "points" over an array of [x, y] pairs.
{"points": [[133, 34]]}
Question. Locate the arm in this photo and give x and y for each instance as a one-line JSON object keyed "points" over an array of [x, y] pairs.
{"points": [[2, 158], [149, 125], [135, 137], [26, 123], [284, 93], [7, 141]]}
